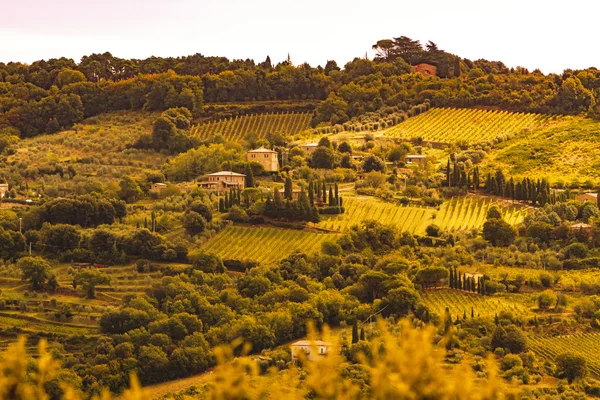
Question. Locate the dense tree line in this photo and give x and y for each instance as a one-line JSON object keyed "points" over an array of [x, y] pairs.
{"points": [[49, 95]]}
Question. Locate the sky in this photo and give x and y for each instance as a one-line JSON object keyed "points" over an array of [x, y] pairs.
{"points": [[550, 35]]}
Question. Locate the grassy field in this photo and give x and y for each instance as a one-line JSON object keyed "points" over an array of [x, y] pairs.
{"points": [[265, 245], [460, 302], [259, 124], [585, 344], [567, 150], [450, 125]]}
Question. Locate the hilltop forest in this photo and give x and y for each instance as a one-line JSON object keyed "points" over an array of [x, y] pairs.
{"points": [[416, 225]]}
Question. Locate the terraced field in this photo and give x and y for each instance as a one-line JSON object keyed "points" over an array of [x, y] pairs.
{"points": [[467, 213], [405, 218], [451, 125], [460, 302], [265, 245], [585, 344], [259, 124]]}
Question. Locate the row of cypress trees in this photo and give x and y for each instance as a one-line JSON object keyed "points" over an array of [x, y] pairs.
{"points": [[462, 282]]}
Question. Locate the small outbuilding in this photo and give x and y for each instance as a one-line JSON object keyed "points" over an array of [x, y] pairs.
{"points": [[592, 197], [416, 159]]}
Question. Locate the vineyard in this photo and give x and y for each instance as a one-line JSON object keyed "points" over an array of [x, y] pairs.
{"points": [[585, 344], [404, 218], [237, 128], [458, 214], [462, 213], [460, 303], [265, 245], [451, 125]]}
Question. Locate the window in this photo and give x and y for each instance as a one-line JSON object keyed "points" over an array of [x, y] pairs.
{"points": [[266, 156], [253, 155]]}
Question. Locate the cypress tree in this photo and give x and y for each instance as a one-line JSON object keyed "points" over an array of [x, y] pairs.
{"points": [[249, 176], [448, 173], [451, 279], [311, 193], [287, 193], [465, 315], [362, 333], [221, 205], [331, 198], [324, 192], [354, 332], [226, 201], [483, 287], [472, 313], [341, 202], [337, 195]]}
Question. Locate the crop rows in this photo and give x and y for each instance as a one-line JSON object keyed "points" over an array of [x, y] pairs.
{"points": [[236, 128], [265, 245], [452, 125], [461, 302], [405, 218], [466, 213], [585, 344]]}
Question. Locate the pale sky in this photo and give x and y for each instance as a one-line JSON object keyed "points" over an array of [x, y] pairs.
{"points": [[550, 35]]}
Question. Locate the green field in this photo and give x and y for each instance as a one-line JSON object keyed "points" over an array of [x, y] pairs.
{"points": [[237, 128], [585, 344], [450, 125], [459, 302], [265, 245]]}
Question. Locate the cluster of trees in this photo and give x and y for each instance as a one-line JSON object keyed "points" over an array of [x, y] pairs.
{"points": [[85, 211], [527, 190], [458, 175], [27, 110], [286, 208], [464, 282], [170, 132]]}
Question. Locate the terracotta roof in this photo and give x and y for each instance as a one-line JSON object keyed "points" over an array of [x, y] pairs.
{"points": [[310, 145], [262, 150], [416, 156], [226, 173], [581, 225]]}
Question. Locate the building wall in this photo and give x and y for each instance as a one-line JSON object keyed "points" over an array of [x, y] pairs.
{"points": [[269, 161]]}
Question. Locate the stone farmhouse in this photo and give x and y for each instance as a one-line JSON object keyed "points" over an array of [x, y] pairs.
{"points": [[265, 157], [223, 180], [309, 148], [3, 189]]}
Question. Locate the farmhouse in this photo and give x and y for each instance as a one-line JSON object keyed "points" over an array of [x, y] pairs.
{"points": [[593, 197], [424, 69], [265, 157], [581, 226], [158, 187], [3, 189], [309, 148], [417, 159], [314, 350], [223, 180]]}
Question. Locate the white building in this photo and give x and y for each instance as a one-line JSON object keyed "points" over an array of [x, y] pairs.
{"points": [[313, 350]]}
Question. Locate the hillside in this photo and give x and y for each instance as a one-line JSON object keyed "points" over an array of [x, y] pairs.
{"points": [[565, 151]]}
